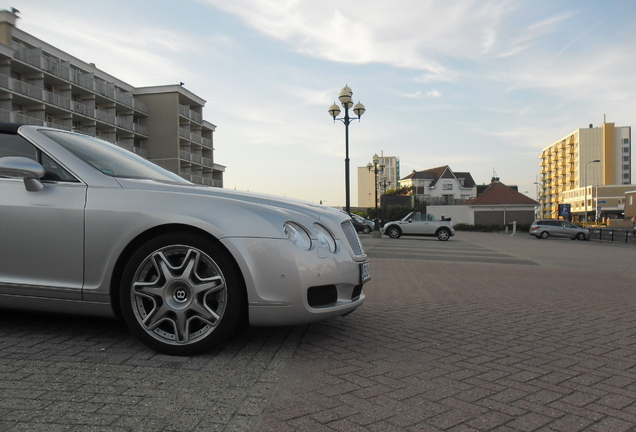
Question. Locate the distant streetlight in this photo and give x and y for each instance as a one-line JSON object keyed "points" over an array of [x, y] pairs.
{"points": [[593, 161], [376, 169], [385, 182], [334, 111], [539, 196]]}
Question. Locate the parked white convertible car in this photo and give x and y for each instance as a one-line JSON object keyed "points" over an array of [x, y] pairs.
{"points": [[87, 227]]}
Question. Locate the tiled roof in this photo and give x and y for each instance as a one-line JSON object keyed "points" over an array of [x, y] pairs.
{"points": [[442, 172], [498, 194], [468, 179]]}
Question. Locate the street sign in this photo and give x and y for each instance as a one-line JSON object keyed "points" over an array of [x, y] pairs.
{"points": [[564, 210], [602, 202]]}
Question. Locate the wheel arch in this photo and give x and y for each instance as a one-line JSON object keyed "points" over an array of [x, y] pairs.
{"points": [[145, 236], [397, 227]]}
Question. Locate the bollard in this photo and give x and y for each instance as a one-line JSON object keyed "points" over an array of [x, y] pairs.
{"points": [[514, 228]]}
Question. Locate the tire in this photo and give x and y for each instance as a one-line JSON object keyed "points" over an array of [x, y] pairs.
{"points": [[366, 229], [580, 236], [181, 294], [443, 234], [545, 235], [393, 232]]}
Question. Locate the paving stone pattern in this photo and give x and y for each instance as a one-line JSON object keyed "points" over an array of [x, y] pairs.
{"points": [[529, 341], [483, 332]]}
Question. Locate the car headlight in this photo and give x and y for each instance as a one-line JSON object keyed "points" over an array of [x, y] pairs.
{"points": [[325, 237], [297, 235]]}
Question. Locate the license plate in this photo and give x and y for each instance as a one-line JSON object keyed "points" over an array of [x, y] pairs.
{"points": [[365, 272]]}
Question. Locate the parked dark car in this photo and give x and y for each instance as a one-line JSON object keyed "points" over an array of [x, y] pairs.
{"points": [[361, 224]]}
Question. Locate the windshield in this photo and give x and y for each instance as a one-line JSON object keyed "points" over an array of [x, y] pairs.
{"points": [[111, 160]]}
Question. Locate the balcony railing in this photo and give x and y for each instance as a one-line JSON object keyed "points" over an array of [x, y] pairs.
{"points": [[188, 113], [42, 95], [195, 138], [62, 69], [191, 157], [202, 180]]}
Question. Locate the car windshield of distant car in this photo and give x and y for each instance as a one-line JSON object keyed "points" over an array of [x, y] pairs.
{"points": [[110, 159]]}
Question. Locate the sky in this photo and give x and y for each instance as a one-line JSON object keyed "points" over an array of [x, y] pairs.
{"points": [[482, 86]]}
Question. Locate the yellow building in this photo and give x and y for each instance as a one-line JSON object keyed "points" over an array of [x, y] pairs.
{"points": [[388, 179], [579, 169]]}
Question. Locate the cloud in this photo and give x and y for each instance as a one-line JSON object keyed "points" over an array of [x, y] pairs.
{"points": [[403, 34], [139, 54]]}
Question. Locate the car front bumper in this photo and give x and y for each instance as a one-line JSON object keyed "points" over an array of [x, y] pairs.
{"points": [[289, 286]]}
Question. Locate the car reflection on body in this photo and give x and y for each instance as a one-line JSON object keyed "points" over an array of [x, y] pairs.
{"points": [[90, 228]]}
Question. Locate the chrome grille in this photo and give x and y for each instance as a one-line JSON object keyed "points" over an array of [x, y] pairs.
{"points": [[352, 238]]}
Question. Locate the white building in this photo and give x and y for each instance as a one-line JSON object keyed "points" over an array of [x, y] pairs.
{"points": [[440, 185]]}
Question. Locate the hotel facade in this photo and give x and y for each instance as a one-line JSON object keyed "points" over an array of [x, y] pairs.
{"points": [[589, 171], [43, 85]]}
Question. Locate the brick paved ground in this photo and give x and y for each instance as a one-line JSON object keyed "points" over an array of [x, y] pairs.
{"points": [[483, 332], [519, 335]]}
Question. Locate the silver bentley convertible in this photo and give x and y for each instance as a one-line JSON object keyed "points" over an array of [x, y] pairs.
{"points": [[90, 228]]}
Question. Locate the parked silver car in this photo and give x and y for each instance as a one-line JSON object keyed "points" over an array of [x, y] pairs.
{"points": [[545, 228], [87, 227], [421, 224]]}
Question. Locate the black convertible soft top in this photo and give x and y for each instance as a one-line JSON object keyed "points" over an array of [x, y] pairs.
{"points": [[9, 128]]}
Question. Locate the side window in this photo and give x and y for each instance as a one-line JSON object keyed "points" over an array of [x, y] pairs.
{"points": [[15, 145]]}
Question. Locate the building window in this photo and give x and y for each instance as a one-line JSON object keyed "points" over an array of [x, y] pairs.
{"points": [[625, 158], [447, 186], [625, 140]]}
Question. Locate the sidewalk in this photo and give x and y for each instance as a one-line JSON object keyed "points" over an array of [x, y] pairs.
{"points": [[483, 332]]}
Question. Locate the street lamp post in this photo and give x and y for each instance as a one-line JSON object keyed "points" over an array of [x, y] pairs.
{"points": [[586, 166], [376, 169], [334, 111], [539, 193], [385, 183]]}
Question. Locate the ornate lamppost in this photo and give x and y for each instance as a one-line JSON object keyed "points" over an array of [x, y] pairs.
{"points": [[376, 169], [385, 182], [334, 111], [586, 166]]}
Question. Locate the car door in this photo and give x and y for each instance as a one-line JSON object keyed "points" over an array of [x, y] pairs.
{"points": [[41, 232], [569, 230], [418, 225]]}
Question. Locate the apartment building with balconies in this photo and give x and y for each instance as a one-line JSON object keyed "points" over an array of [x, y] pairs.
{"points": [[388, 178], [43, 85], [587, 170]]}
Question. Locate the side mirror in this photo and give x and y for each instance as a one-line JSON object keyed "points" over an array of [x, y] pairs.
{"points": [[27, 169]]}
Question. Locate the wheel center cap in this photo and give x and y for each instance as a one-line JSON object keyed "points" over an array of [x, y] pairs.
{"points": [[180, 295]]}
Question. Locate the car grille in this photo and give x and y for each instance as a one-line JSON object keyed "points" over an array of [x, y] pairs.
{"points": [[352, 238]]}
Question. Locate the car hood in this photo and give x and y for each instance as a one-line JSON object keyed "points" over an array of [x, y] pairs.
{"points": [[317, 211]]}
